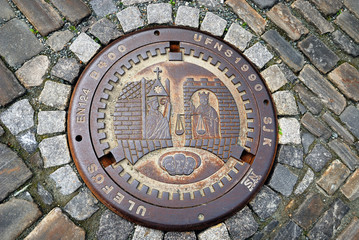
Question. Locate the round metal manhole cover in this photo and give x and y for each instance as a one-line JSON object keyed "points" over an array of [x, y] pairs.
{"points": [[172, 128]]}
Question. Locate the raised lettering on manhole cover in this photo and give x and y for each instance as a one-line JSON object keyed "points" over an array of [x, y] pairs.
{"points": [[172, 129]]}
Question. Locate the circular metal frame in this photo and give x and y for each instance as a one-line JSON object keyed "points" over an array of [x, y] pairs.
{"points": [[103, 165]]}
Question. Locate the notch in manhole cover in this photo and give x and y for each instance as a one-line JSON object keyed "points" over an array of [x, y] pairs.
{"points": [[172, 128]]}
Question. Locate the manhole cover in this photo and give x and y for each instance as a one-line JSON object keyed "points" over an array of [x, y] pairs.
{"points": [[172, 128]]}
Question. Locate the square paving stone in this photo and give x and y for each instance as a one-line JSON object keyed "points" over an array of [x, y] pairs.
{"points": [[41, 14], [66, 180], [180, 235], [6, 12], [318, 157], [351, 188], [313, 16], [144, 233], [346, 78], [315, 126], [55, 95], [318, 53], [345, 153], [84, 47], [159, 13], [18, 44], [285, 103], [27, 141], [249, 15], [132, 2], [73, 10], [289, 231], [51, 122], [305, 182], [349, 24], [283, 180], [15, 216], [238, 36], [213, 24], [265, 203], [242, 225], [290, 56], [32, 73], [219, 231], [290, 131], [210, 4], [351, 231], [333, 177], [105, 30], [282, 16], [13, 171], [328, 7], [307, 140], [67, 69], [350, 117], [58, 40], [18, 117], [309, 211], [258, 54], [10, 87], [323, 89], [345, 43], [56, 224], [54, 151], [291, 155], [103, 7], [114, 227], [130, 19], [274, 77], [329, 222], [187, 16], [82, 206]]}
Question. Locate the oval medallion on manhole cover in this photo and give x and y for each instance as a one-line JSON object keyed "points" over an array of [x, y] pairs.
{"points": [[172, 128]]}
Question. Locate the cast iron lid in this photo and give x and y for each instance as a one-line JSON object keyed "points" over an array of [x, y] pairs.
{"points": [[172, 128]]}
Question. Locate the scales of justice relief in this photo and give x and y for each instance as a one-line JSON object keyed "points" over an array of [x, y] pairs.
{"points": [[175, 131]]}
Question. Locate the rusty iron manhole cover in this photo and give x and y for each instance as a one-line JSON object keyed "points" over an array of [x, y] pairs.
{"points": [[172, 128]]}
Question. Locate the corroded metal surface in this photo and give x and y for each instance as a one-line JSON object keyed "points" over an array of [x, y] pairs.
{"points": [[172, 128]]}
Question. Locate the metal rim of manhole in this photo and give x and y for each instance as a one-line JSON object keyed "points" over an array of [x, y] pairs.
{"points": [[172, 128]]}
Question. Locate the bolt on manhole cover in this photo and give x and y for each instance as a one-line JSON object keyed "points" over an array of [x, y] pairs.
{"points": [[172, 128]]}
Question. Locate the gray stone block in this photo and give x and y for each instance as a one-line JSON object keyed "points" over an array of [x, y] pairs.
{"points": [[285, 103], [258, 54], [283, 180], [82, 206], [219, 231], [187, 16], [305, 182], [18, 44], [32, 73], [130, 19], [84, 47], [291, 155], [58, 40], [265, 203], [67, 69], [45, 195], [350, 117], [290, 131], [6, 12], [27, 141], [159, 13], [18, 117], [54, 151], [242, 225], [318, 157], [213, 24], [66, 180], [51, 122], [274, 78], [105, 31], [103, 7], [55, 95], [144, 233], [289, 231], [345, 43], [114, 227], [238, 36]]}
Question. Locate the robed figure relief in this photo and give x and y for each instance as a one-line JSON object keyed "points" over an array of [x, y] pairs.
{"points": [[205, 118], [157, 125]]}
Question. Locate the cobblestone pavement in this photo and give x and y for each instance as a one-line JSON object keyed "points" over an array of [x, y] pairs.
{"points": [[307, 52]]}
